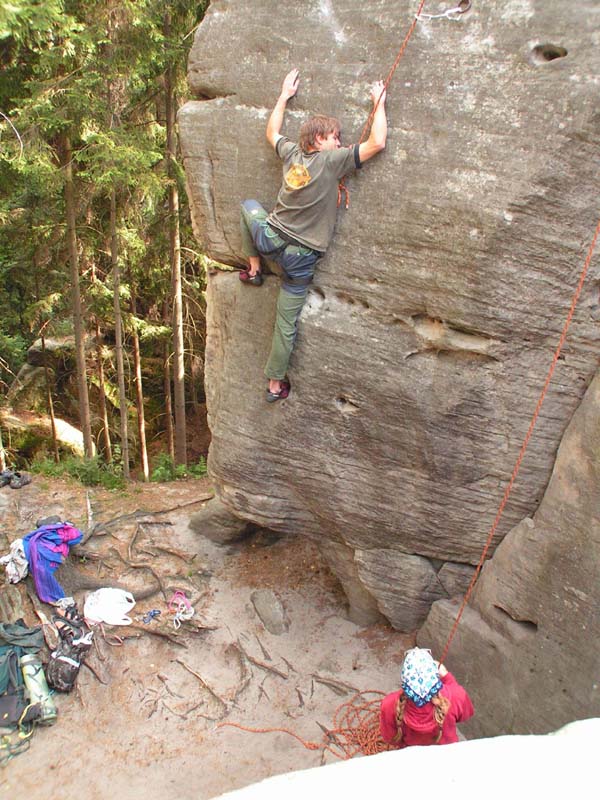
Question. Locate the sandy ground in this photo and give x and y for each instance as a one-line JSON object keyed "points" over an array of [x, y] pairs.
{"points": [[144, 723]]}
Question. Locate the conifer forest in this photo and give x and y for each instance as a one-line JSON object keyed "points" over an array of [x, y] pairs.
{"points": [[101, 281]]}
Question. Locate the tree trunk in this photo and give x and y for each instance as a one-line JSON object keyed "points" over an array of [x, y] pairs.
{"points": [[84, 402], [114, 255], [49, 400], [175, 251], [137, 361], [168, 394], [102, 397], [100, 374], [2, 454]]}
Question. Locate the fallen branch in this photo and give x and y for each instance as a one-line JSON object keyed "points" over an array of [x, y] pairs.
{"points": [[194, 625], [80, 696], [153, 710], [265, 652], [262, 690], [134, 565], [245, 676], [204, 716], [187, 557], [165, 682], [336, 686], [99, 653], [290, 667], [203, 682], [94, 673], [183, 505], [100, 528], [132, 541], [172, 710], [157, 632], [261, 664]]}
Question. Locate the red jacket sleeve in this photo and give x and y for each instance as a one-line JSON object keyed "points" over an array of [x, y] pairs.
{"points": [[387, 717], [462, 707]]}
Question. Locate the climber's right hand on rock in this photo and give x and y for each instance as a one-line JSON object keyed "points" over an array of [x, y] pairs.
{"points": [[290, 84]]}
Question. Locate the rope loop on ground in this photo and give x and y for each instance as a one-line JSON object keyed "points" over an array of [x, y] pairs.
{"points": [[355, 728]]}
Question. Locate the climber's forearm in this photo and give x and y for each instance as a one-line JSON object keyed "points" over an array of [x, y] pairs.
{"points": [[288, 89], [378, 135], [275, 122]]}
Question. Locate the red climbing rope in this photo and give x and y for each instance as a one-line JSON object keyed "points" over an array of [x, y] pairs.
{"points": [[392, 70], [355, 729], [517, 466], [356, 723], [342, 186]]}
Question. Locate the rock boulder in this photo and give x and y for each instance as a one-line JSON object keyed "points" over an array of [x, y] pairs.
{"points": [[528, 648], [432, 320]]}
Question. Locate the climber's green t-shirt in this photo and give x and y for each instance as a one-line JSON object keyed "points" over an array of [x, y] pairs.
{"points": [[306, 206]]}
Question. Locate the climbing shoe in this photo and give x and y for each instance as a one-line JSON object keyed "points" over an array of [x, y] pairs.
{"points": [[283, 392], [253, 280]]}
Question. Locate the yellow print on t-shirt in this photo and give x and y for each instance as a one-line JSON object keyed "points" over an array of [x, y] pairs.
{"points": [[297, 177]]}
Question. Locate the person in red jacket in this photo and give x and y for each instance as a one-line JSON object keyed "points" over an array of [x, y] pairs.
{"points": [[425, 711]]}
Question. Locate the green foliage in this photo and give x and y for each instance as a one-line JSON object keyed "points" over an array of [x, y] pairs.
{"points": [[29, 20], [88, 471], [166, 470], [12, 355], [198, 470], [92, 72]]}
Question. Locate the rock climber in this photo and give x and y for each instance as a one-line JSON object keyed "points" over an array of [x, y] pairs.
{"points": [[427, 707], [297, 232]]}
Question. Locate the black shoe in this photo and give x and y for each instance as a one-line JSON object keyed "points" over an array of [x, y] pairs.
{"points": [[5, 477], [19, 479]]}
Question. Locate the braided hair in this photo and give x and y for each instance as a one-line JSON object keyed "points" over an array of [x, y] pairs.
{"points": [[441, 706]]}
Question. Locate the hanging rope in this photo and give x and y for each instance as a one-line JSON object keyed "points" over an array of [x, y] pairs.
{"points": [[450, 13], [356, 723], [517, 466]]}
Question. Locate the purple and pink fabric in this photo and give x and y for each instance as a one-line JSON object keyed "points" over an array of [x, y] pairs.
{"points": [[45, 549]]}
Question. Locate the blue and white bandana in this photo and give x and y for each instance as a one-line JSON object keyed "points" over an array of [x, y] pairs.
{"points": [[420, 676]]}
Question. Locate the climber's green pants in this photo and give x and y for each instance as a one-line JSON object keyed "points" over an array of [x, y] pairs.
{"points": [[289, 307]]}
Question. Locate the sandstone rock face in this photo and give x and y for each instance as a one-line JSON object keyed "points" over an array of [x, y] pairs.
{"points": [[528, 650], [432, 320], [217, 523], [37, 428]]}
